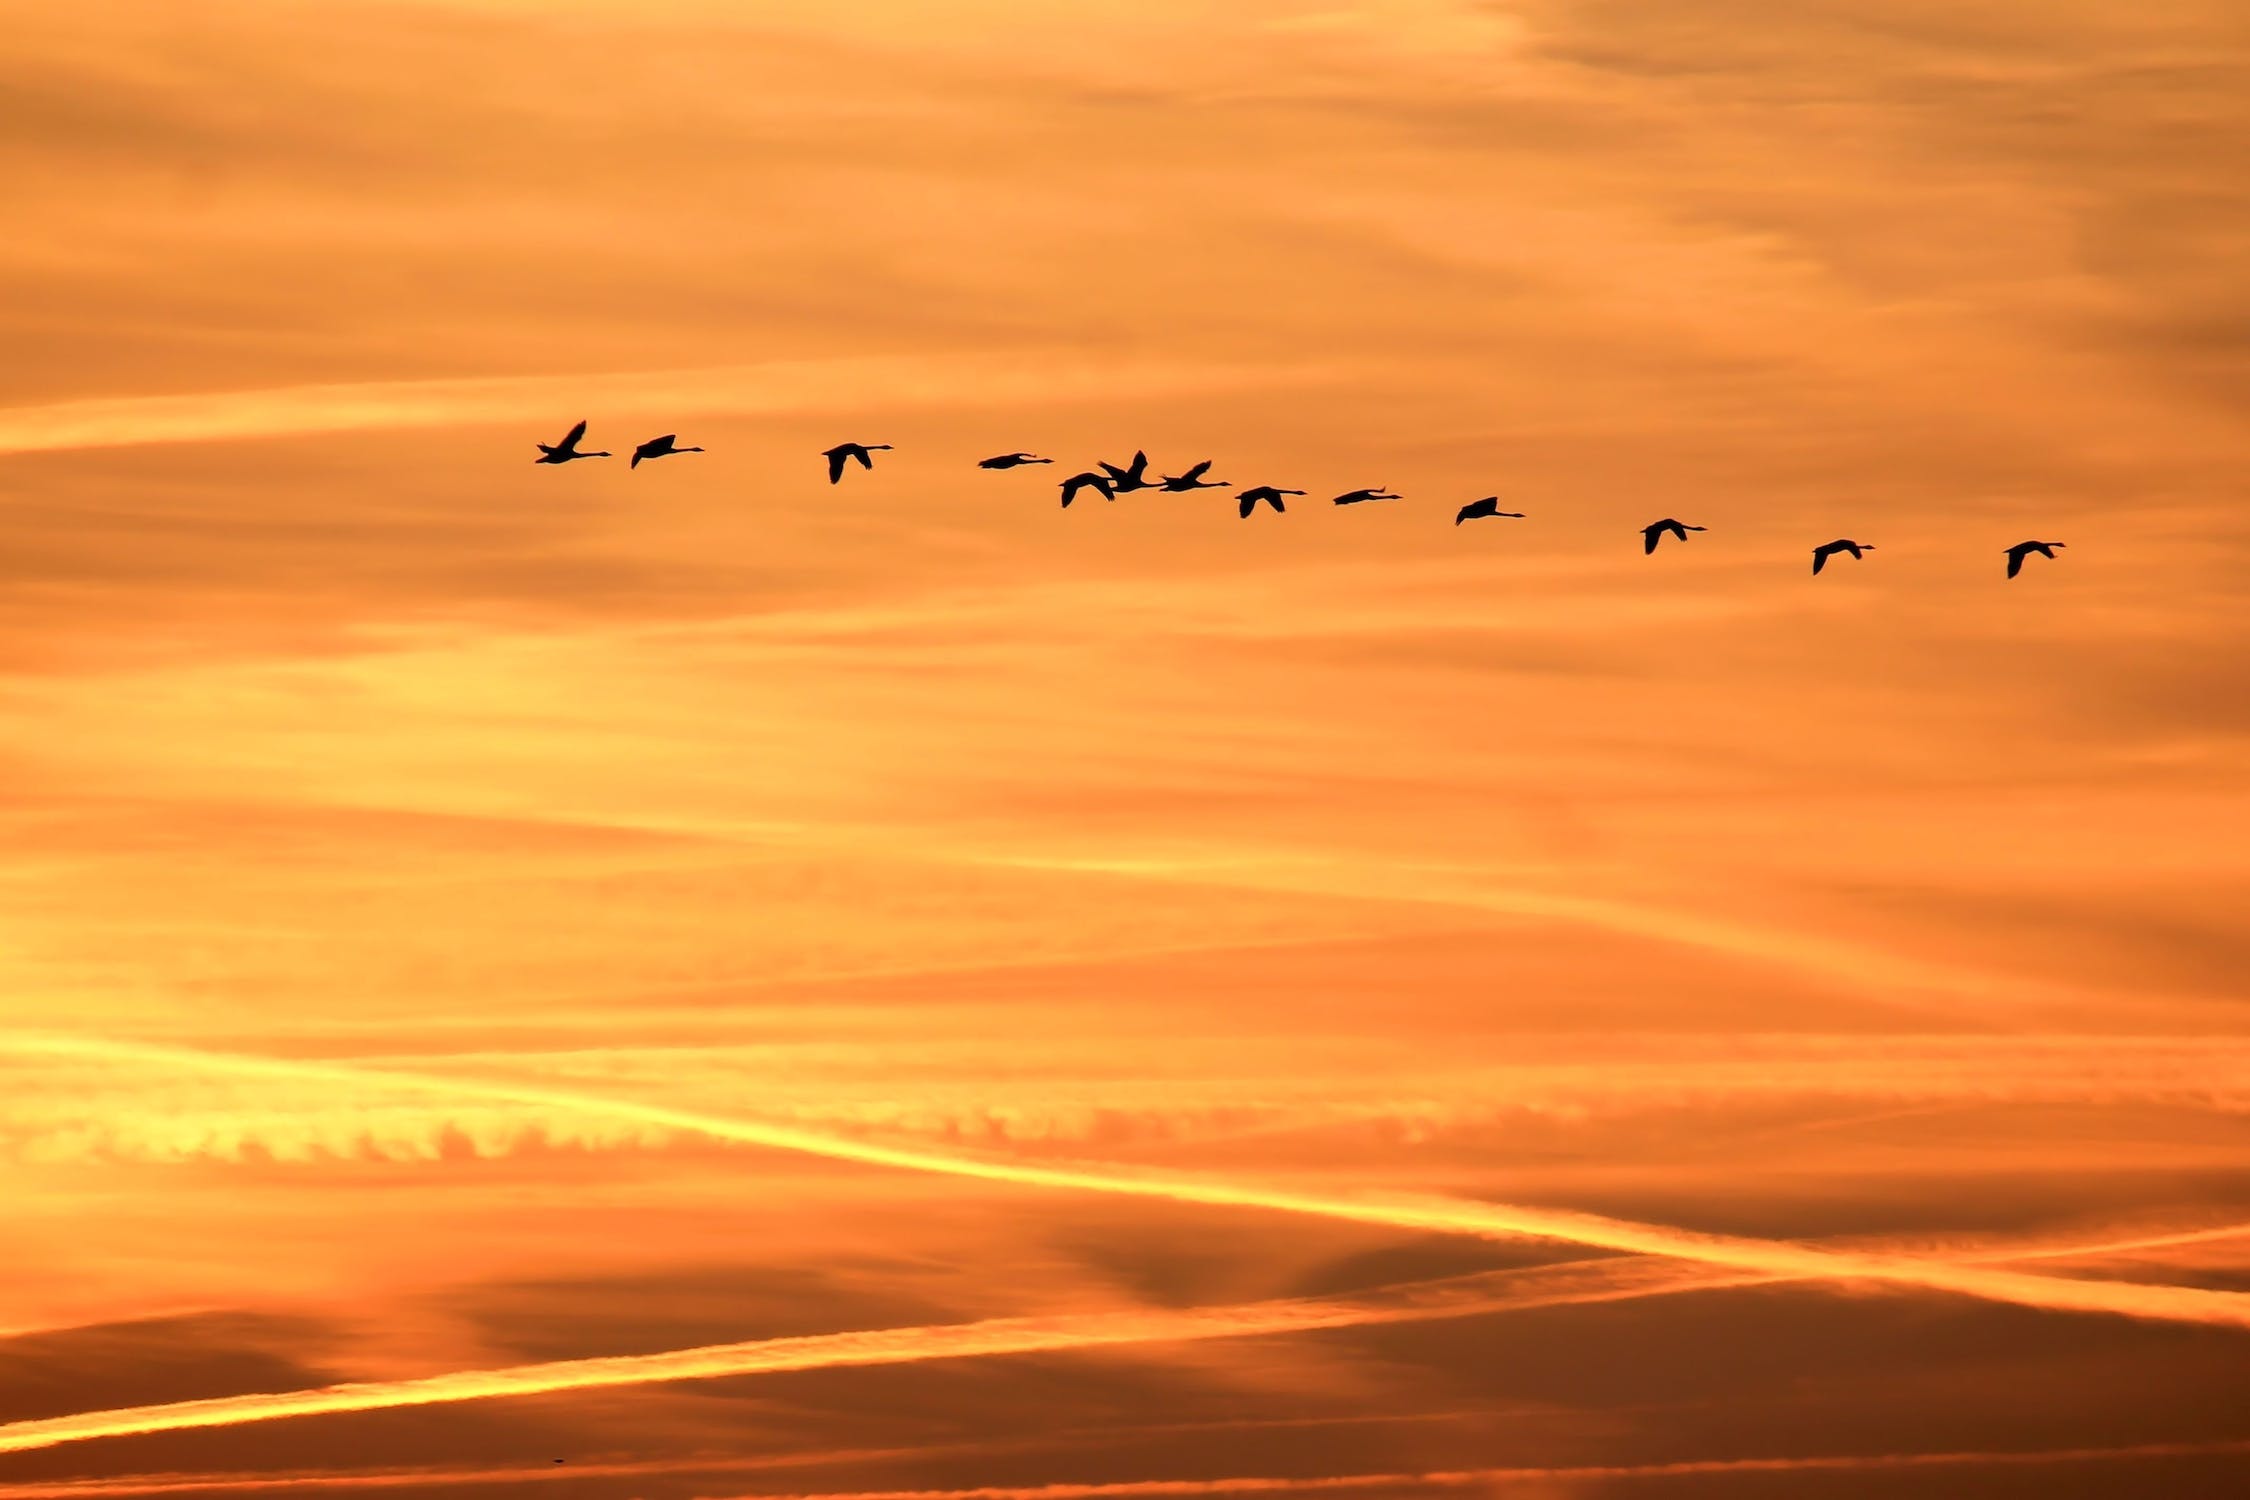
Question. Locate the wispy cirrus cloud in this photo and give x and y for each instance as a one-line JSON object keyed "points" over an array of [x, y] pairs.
{"points": [[781, 388], [943, 1089], [1426, 1215], [188, 1484], [1328, 864], [1560, 1285]]}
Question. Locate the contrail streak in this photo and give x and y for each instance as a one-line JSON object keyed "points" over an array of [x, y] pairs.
{"points": [[1441, 1479], [409, 1477], [772, 389], [1770, 1258], [1567, 1284], [1460, 1478], [1576, 1282]]}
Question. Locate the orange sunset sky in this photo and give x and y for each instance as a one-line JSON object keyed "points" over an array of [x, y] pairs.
{"points": [[573, 982]]}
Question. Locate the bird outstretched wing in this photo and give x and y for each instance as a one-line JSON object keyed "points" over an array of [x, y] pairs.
{"points": [[1130, 472], [570, 438], [1076, 483], [835, 464]]}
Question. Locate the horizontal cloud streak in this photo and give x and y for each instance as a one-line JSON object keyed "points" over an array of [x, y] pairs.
{"points": [[1765, 1258], [1463, 1478], [948, 1089], [1453, 1478], [774, 389]]}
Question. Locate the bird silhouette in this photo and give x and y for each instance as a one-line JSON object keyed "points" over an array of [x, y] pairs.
{"points": [[566, 450], [1826, 550], [1361, 497], [659, 447], [1247, 501], [1477, 510], [1654, 532], [843, 452], [1010, 461], [1180, 484], [1134, 476], [2021, 550], [1076, 483]]}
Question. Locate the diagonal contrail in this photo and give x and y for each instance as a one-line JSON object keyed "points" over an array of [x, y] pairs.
{"points": [[1567, 1284], [1765, 1258], [1574, 1282]]}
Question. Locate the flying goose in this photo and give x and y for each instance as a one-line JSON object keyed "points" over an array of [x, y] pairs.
{"points": [[1656, 532], [1134, 476], [1477, 510], [566, 450], [1247, 501], [1180, 484], [659, 447], [2022, 550], [1826, 550], [1072, 486], [843, 452]]}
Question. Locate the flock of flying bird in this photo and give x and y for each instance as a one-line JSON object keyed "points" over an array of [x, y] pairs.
{"points": [[1109, 480]]}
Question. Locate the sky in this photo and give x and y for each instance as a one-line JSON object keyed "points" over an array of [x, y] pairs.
{"points": [[562, 981]]}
